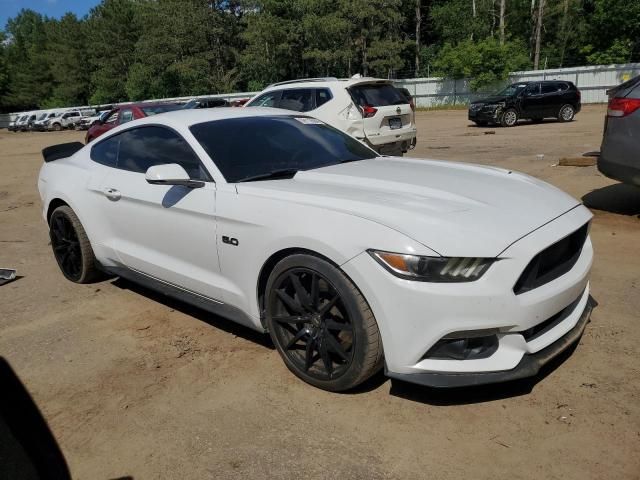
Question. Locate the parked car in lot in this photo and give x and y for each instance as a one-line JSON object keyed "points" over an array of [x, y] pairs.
{"points": [[65, 120], [87, 122], [211, 102], [527, 100], [12, 127], [620, 151], [42, 122], [26, 123], [445, 273], [125, 113], [369, 109]]}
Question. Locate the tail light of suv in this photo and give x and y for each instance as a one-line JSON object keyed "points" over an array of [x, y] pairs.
{"points": [[368, 111], [621, 107]]}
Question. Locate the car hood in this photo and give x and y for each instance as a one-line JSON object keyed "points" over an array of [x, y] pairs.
{"points": [[494, 99], [455, 209]]}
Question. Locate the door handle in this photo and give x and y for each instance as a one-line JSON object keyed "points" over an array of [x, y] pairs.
{"points": [[112, 194]]}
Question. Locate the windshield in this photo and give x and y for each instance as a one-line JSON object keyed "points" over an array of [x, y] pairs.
{"points": [[42, 116], [252, 146], [155, 109], [513, 89]]}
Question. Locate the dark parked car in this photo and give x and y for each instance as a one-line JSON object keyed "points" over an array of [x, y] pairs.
{"points": [[621, 139], [528, 100], [126, 113], [211, 102]]}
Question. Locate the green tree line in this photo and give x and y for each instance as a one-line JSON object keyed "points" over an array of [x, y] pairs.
{"points": [[136, 49]]}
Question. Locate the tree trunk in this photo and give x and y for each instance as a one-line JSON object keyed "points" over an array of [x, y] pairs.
{"points": [[365, 67], [473, 10], [418, 24], [564, 30], [536, 57], [502, 8]]}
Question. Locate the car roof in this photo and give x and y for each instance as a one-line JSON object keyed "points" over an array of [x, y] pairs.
{"points": [[326, 82]]}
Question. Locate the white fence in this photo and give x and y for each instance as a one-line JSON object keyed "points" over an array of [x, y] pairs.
{"points": [[593, 82]]}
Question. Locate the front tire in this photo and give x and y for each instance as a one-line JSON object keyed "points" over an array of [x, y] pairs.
{"points": [[509, 118], [71, 246], [566, 113], [57, 127], [321, 324]]}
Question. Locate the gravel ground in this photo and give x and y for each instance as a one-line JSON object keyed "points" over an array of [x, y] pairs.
{"points": [[133, 384]]}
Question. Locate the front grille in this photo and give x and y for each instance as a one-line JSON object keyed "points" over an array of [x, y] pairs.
{"points": [[552, 262]]}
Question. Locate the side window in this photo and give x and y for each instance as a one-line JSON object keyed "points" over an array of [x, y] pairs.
{"points": [[144, 147], [74, 114], [269, 99], [533, 89], [112, 117], [298, 100], [106, 151], [550, 88], [126, 116], [323, 95]]}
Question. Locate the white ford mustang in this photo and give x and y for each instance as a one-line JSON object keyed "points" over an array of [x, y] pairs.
{"points": [[446, 274]]}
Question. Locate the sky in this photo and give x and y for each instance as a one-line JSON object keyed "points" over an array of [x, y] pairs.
{"points": [[51, 8]]}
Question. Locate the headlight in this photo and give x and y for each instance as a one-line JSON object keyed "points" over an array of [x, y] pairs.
{"points": [[433, 269]]}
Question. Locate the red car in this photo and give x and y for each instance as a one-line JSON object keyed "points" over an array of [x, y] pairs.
{"points": [[126, 113]]}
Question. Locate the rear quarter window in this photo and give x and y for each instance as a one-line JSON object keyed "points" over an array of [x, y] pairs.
{"points": [[106, 151]]}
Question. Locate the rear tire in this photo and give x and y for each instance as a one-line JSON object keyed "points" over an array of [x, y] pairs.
{"points": [[566, 113], [509, 118], [56, 127], [321, 324], [71, 247]]}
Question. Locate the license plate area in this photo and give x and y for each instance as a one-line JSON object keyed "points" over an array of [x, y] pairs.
{"points": [[395, 123]]}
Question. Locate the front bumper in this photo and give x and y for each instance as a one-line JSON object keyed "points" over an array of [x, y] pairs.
{"points": [[485, 114], [413, 316], [529, 366]]}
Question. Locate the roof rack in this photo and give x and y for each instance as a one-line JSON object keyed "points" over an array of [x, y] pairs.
{"points": [[301, 80]]}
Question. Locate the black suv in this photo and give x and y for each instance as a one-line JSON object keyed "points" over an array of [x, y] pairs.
{"points": [[532, 100]]}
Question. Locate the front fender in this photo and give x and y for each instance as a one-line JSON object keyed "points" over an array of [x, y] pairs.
{"points": [[263, 227]]}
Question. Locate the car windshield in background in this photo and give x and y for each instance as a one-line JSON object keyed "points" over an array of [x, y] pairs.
{"points": [[512, 90], [156, 109], [377, 95], [251, 147]]}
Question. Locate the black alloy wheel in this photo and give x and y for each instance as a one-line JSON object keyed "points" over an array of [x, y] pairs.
{"points": [[71, 246], [321, 325], [311, 322], [66, 247]]}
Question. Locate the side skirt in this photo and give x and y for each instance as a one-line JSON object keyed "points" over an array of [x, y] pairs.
{"points": [[208, 304]]}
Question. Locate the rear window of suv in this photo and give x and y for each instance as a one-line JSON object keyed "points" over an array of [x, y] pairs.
{"points": [[377, 95]]}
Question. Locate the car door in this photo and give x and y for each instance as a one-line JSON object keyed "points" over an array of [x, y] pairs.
{"points": [[551, 98], [531, 104], [162, 231]]}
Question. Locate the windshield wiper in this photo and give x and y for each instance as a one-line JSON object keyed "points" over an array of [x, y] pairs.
{"points": [[282, 173]]}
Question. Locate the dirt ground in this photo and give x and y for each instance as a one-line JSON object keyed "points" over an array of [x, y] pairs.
{"points": [[133, 384]]}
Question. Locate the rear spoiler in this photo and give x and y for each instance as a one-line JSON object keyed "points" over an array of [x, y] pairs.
{"points": [[63, 150]]}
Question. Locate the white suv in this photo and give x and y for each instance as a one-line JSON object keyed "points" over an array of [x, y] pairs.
{"points": [[369, 109], [67, 119]]}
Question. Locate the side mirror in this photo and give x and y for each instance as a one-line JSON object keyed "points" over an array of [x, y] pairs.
{"points": [[171, 174]]}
